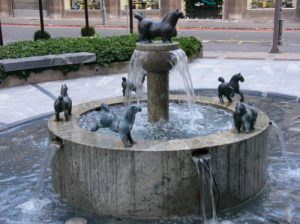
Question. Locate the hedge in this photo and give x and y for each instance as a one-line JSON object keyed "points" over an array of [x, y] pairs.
{"points": [[107, 50]]}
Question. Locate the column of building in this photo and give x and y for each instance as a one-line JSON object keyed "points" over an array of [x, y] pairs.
{"points": [[6, 8], [169, 5], [297, 10], [55, 8]]}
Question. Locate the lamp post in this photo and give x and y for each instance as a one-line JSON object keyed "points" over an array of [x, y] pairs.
{"points": [[1, 37], [130, 16], [103, 12], [277, 27], [86, 13], [41, 18]]}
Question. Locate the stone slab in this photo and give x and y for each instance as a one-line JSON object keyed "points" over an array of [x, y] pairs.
{"points": [[23, 102], [45, 61]]}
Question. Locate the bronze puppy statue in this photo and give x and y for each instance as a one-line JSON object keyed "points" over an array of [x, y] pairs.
{"points": [[122, 125], [63, 103], [244, 117], [128, 86], [229, 89]]}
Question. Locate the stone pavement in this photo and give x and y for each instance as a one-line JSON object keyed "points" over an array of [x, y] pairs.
{"points": [[263, 72]]}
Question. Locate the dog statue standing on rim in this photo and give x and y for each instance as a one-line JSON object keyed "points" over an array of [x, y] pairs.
{"points": [[245, 117], [229, 89], [63, 103]]}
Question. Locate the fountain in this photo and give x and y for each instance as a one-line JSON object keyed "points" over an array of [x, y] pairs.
{"points": [[22, 156], [154, 178]]}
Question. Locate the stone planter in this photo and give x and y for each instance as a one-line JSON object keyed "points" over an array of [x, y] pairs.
{"points": [[53, 75]]}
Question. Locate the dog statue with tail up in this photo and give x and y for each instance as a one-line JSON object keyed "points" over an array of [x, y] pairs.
{"points": [[230, 88]]}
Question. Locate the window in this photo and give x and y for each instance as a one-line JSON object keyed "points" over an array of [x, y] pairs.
{"points": [[141, 4], [79, 4], [254, 4]]}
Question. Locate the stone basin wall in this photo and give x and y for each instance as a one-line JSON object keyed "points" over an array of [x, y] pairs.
{"points": [[155, 179]]}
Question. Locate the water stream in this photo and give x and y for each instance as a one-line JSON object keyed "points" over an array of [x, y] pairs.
{"points": [[180, 62], [203, 165], [38, 201], [53, 147], [282, 144]]}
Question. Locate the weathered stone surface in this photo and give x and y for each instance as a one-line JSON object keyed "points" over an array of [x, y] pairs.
{"points": [[158, 97], [159, 61], [76, 220], [157, 46], [160, 58], [47, 61], [155, 179]]}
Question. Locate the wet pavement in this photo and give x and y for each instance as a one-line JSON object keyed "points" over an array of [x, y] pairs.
{"points": [[263, 72]]}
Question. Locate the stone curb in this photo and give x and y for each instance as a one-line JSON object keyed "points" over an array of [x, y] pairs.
{"points": [[12, 126]]}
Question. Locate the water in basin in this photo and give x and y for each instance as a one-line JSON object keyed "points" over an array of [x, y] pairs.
{"points": [[183, 123]]}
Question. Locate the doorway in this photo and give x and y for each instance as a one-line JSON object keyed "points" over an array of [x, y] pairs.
{"points": [[204, 9], [28, 8]]}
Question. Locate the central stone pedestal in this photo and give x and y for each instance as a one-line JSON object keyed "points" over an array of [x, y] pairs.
{"points": [[158, 62], [158, 97]]}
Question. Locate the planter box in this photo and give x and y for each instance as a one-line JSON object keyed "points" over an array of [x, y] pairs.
{"points": [[84, 71], [52, 75]]}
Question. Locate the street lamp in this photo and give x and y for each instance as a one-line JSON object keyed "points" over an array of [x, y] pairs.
{"points": [[41, 18], [86, 17], [130, 16], [1, 37], [277, 31], [103, 11]]}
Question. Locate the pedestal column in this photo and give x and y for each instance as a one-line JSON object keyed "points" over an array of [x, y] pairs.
{"points": [[158, 96], [297, 10], [158, 60]]}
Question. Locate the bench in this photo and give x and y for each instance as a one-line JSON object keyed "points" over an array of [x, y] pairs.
{"points": [[44, 61]]}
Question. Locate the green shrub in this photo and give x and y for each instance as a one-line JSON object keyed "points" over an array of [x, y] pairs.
{"points": [[107, 50], [190, 45], [87, 32], [38, 35]]}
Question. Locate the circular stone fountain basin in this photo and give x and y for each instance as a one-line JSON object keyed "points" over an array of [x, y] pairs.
{"points": [[183, 123], [155, 179]]}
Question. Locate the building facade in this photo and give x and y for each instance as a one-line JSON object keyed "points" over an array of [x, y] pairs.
{"points": [[213, 9]]}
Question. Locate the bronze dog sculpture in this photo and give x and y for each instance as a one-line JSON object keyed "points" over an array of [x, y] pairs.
{"points": [[122, 125], [127, 86], [149, 29], [244, 117], [63, 103], [229, 89]]}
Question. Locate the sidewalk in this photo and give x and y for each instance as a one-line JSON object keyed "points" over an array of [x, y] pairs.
{"points": [[244, 24], [263, 72]]}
